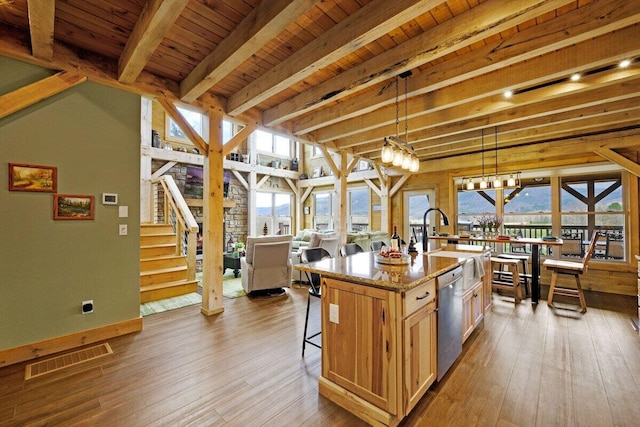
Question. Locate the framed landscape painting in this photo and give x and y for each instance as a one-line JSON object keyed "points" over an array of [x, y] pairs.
{"points": [[33, 178], [73, 207]]}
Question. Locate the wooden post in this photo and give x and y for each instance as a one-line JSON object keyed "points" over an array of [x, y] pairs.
{"points": [[145, 161], [212, 249]]}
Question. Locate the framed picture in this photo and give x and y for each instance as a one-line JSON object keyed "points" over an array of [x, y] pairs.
{"points": [[174, 133], [72, 206], [33, 178], [317, 172], [194, 182]]}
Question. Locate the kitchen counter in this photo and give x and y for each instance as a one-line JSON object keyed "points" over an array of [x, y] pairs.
{"points": [[363, 268]]}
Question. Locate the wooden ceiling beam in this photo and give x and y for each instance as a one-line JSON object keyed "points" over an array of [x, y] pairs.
{"points": [[264, 23], [41, 20], [582, 24], [368, 23], [616, 97], [473, 26], [155, 21], [614, 157], [35, 92], [602, 51]]}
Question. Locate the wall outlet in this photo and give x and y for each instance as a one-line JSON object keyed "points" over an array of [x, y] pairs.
{"points": [[87, 306], [334, 313]]}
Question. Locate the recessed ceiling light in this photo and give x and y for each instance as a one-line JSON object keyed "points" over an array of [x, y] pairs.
{"points": [[575, 77], [508, 94], [625, 63]]}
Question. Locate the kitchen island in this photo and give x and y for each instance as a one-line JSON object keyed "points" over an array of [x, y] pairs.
{"points": [[379, 332]]}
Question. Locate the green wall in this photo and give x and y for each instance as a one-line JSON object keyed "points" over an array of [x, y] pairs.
{"points": [[91, 133]]}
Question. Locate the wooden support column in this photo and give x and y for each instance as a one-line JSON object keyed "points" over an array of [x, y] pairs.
{"points": [[385, 199], [340, 207], [212, 249], [252, 226], [145, 160]]}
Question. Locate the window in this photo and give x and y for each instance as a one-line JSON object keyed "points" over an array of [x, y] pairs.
{"points": [[174, 133], [274, 210], [273, 144], [323, 211], [588, 202], [591, 204], [358, 209]]}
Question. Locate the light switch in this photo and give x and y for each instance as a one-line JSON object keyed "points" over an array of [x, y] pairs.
{"points": [[122, 229], [123, 211], [334, 313]]}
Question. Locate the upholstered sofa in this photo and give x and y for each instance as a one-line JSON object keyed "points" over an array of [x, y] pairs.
{"points": [[305, 237], [364, 238]]}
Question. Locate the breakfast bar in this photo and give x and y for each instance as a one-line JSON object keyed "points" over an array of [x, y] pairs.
{"points": [[379, 330]]}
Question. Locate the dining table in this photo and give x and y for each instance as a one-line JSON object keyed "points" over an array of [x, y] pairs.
{"points": [[535, 242]]}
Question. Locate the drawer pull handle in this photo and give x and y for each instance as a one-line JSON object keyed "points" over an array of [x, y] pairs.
{"points": [[424, 296]]}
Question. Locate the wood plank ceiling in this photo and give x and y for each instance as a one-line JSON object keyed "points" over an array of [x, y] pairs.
{"points": [[326, 70]]}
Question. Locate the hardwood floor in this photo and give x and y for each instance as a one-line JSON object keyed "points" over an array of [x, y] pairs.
{"points": [[523, 367]]}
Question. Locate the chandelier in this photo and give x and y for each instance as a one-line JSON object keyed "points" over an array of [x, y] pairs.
{"points": [[498, 181], [395, 150]]}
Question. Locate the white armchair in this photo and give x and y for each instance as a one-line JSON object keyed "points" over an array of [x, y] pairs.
{"points": [[266, 268]]}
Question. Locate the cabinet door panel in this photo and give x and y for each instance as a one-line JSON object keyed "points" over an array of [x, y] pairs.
{"points": [[419, 354], [358, 349]]}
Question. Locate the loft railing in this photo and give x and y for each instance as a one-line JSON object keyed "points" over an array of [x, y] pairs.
{"points": [[169, 207]]}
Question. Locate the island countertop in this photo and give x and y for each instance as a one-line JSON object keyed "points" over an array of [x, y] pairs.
{"points": [[364, 269]]}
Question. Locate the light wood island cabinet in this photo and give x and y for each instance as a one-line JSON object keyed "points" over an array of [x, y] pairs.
{"points": [[379, 335]]}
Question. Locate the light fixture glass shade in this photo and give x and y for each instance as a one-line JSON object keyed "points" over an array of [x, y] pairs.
{"points": [[415, 164], [511, 181], [497, 182], [397, 157], [470, 184], [387, 153], [483, 183], [406, 160]]}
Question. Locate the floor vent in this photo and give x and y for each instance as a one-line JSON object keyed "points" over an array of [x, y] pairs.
{"points": [[37, 369]]}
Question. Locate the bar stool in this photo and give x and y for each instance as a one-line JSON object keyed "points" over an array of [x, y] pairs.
{"points": [[497, 279], [524, 259], [575, 269], [307, 256]]}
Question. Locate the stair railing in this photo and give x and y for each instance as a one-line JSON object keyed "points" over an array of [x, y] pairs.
{"points": [[169, 207]]}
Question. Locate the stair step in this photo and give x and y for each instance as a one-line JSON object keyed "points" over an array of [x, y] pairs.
{"points": [[157, 239], [159, 262], [155, 228], [150, 251], [163, 275], [167, 290]]}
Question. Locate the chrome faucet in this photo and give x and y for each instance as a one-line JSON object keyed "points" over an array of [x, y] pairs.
{"points": [[425, 237]]}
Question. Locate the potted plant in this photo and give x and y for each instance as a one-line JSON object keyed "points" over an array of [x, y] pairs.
{"points": [[240, 248]]}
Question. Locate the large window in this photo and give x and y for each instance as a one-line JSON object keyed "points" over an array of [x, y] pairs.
{"points": [[323, 211], [588, 203], [273, 210], [594, 204], [273, 144], [358, 209]]}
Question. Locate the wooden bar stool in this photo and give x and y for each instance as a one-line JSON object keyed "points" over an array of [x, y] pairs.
{"points": [[575, 269], [524, 259], [498, 278]]}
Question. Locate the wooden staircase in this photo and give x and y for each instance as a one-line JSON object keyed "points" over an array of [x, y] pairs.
{"points": [[163, 273]]}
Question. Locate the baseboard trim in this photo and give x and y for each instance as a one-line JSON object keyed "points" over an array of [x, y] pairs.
{"points": [[67, 342]]}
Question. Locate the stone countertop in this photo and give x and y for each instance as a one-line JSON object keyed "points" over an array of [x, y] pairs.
{"points": [[364, 269]]}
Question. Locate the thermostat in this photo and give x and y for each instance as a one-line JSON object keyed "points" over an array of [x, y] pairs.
{"points": [[109, 199]]}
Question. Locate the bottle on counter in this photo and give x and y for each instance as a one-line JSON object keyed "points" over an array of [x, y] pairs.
{"points": [[395, 239]]}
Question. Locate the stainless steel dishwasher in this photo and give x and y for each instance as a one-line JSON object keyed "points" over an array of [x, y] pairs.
{"points": [[449, 319]]}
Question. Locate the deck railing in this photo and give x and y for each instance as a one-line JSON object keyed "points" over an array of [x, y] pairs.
{"points": [[611, 243]]}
